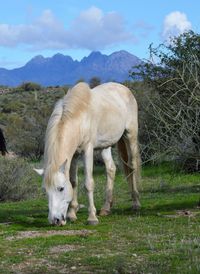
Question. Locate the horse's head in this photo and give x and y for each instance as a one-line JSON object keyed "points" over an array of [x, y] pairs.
{"points": [[59, 194]]}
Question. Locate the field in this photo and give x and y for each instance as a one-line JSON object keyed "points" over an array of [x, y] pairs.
{"points": [[163, 237]]}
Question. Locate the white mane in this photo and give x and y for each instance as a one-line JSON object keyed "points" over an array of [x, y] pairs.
{"points": [[72, 105]]}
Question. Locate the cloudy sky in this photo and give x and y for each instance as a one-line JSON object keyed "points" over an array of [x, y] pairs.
{"points": [[77, 27]]}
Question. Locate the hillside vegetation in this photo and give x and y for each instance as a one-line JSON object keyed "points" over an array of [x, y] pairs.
{"points": [[24, 116]]}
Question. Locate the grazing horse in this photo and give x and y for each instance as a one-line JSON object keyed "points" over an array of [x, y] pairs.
{"points": [[2, 143], [84, 120]]}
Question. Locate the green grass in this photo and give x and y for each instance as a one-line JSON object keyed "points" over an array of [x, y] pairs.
{"points": [[163, 237]]}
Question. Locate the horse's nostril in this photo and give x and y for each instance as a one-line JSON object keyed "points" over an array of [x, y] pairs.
{"points": [[56, 221]]}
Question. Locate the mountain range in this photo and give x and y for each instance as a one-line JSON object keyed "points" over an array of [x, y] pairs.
{"points": [[61, 69]]}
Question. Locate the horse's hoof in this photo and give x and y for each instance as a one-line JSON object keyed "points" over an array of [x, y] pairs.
{"points": [[92, 222], [72, 218], [104, 212]]}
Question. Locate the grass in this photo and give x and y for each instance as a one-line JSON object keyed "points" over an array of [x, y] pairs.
{"points": [[162, 238]]}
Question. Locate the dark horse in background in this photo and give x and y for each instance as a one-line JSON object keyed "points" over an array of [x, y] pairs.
{"points": [[3, 149]]}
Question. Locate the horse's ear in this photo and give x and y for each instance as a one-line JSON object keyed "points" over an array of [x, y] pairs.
{"points": [[39, 171], [62, 167]]}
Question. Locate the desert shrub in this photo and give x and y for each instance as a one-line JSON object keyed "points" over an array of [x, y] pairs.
{"points": [[16, 180], [26, 135]]}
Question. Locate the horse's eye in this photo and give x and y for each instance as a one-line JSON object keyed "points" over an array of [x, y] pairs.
{"points": [[60, 189]]}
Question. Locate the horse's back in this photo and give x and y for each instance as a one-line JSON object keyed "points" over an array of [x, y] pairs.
{"points": [[114, 90], [116, 98]]}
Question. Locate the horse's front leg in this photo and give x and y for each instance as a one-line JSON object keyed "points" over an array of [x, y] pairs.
{"points": [[110, 171], [71, 214], [89, 184]]}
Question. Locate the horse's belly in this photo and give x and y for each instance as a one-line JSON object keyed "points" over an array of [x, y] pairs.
{"points": [[109, 135], [104, 142]]}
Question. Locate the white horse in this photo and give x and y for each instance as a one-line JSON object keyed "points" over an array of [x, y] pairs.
{"points": [[84, 120]]}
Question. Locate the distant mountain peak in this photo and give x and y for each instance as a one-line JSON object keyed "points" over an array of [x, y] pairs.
{"points": [[62, 59], [93, 57], [95, 54], [124, 52], [58, 55], [38, 59]]}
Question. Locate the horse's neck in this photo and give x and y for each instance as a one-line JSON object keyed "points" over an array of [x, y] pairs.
{"points": [[61, 148]]}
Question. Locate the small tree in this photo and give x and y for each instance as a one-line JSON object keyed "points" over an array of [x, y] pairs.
{"points": [[29, 86], [94, 81]]}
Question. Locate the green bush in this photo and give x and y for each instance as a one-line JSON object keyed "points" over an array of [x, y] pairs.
{"points": [[16, 180]]}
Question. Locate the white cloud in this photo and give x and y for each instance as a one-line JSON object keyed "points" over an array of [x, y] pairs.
{"points": [[92, 29], [175, 23]]}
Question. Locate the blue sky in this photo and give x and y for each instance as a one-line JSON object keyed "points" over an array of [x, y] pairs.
{"points": [[75, 28]]}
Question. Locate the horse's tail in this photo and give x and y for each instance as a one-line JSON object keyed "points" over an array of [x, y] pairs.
{"points": [[122, 148]]}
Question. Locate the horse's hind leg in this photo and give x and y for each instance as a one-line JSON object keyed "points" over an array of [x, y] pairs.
{"points": [[131, 142], [71, 214], [110, 171]]}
